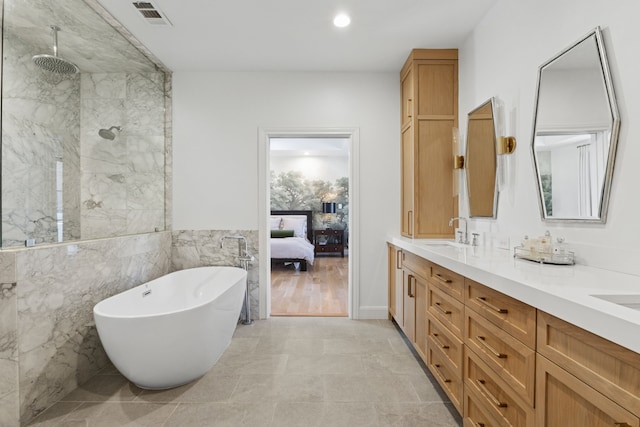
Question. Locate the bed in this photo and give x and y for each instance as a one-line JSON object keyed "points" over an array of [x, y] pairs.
{"points": [[291, 237]]}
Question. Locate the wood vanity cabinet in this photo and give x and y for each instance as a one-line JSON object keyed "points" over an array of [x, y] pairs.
{"points": [[429, 113], [445, 325], [503, 362], [396, 301], [414, 271], [583, 379], [500, 355]]}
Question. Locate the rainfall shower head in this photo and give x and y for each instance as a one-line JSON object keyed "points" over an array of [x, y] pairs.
{"points": [[53, 62], [109, 133]]}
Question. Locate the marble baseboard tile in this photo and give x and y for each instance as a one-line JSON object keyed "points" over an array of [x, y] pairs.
{"points": [[198, 248]]}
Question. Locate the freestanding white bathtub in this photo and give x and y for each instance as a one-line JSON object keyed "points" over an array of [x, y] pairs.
{"points": [[173, 329]]}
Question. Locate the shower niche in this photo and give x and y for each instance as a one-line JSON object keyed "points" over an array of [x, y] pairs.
{"points": [[83, 154]]}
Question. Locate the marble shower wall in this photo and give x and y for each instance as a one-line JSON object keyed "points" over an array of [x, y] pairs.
{"points": [[57, 287], [198, 248], [122, 179], [53, 161], [40, 134]]}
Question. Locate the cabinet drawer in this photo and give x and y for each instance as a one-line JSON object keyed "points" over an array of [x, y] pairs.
{"points": [[494, 395], [446, 309], [475, 413], [418, 265], [565, 401], [509, 314], [508, 357], [448, 281], [450, 380], [605, 366], [439, 336]]}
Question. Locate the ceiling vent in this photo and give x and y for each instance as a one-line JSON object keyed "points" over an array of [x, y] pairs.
{"points": [[150, 13]]}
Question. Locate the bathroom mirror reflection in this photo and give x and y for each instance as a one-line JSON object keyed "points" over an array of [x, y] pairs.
{"points": [[576, 126], [481, 163], [82, 153]]}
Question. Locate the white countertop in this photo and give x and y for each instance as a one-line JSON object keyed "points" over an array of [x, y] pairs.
{"points": [[561, 290]]}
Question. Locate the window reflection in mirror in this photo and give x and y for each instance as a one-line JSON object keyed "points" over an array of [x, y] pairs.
{"points": [[575, 133], [481, 161]]}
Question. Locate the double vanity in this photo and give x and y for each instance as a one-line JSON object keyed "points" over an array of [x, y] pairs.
{"points": [[513, 342]]}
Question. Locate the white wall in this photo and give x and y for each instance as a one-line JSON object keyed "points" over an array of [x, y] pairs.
{"points": [[501, 58], [216, 120]]}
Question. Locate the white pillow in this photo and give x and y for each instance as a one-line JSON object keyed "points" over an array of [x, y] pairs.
{"points": [[296, 223], [275, 222]]}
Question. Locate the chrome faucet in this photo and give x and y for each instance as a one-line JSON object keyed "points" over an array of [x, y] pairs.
{"points": [[245, 259], [242, 243], [465, 237]]}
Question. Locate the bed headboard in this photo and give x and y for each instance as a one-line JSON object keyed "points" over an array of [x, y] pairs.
{"points": [[305, 213]]}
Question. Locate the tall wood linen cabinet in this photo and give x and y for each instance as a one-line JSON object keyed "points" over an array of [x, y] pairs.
{"points": [[429, 110]]}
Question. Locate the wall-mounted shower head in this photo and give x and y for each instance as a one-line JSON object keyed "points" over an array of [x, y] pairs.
{"points": [[53, 62], [109, 133]]}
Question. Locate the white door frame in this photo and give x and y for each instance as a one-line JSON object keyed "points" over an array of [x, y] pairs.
{"points": [[264, 207]]}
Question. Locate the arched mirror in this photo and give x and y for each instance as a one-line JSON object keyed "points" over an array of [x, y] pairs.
{"points": [[576, 125], [481, 161]]}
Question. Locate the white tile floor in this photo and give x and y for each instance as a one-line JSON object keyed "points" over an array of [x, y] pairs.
{"points": [[278, 372]]}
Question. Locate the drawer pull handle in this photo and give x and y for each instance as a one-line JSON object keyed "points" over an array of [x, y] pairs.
{"points": [[621, 424], [484, 302], [437, 340], [442, 279], [410, 279], [442, 309], [439, 374], [491, 349], [399, 260], [490, 396]]}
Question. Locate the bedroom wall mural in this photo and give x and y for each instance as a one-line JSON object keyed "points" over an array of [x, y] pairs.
{"points": [[292, 190]]}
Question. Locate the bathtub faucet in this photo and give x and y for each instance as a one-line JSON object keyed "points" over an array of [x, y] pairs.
{"points": [[245, 259], [242, 244]]}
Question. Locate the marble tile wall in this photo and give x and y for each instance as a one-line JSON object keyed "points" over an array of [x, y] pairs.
{"points": [[50, 345], [122, 179], [9, 399], [197, 248], [115, 187], [40, 129]]}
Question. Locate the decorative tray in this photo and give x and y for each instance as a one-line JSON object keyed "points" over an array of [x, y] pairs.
{"points": [[564, 258]]}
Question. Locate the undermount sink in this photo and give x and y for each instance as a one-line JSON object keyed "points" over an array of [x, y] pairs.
{"points": [[449, 243], [628, 300]]}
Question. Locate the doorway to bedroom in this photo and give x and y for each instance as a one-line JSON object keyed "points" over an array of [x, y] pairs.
{"points": [[309, 222]]}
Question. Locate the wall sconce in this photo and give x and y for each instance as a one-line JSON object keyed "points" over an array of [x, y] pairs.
{"points": [[458, 161], [506, 145]]}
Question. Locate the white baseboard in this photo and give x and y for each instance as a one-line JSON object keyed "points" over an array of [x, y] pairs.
{"points": [[373, 312]]}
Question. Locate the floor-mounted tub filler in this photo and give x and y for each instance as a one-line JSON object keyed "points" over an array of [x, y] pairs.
{"points": [[173, 329]]}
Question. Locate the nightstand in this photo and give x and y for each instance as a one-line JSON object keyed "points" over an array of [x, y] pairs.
{"points": [[328, 241]]}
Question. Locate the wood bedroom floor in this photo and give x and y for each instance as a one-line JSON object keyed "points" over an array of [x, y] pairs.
{"points": [[321, 291]]}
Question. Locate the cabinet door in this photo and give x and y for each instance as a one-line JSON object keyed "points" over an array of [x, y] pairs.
{"points": [[407, 167], [436, 116], [396, 298], [408, 288], [421, 317], [564, 401]]}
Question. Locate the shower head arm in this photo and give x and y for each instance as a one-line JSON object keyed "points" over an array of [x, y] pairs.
{"points": [[54, 33]]}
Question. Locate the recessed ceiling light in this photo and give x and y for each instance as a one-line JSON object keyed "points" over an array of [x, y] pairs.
{"points": [[306, 153], [341, 20]]}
